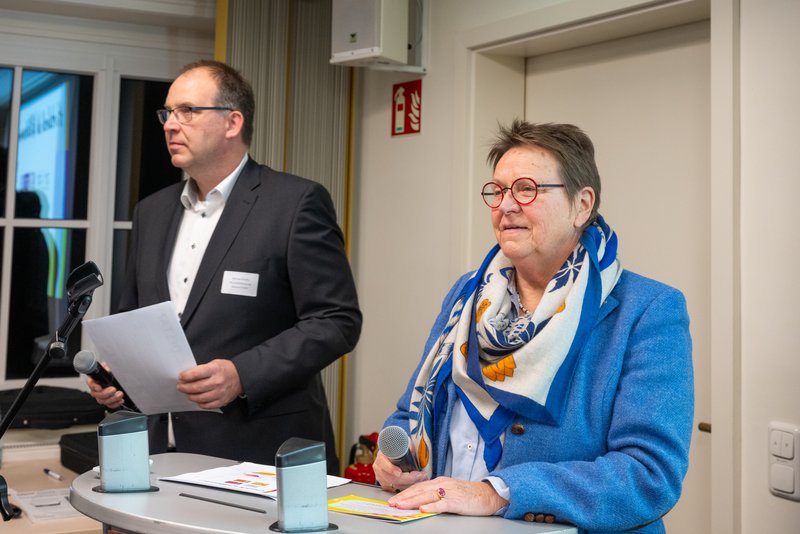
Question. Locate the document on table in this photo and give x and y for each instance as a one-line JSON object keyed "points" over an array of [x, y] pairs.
{"points": [[245, 477], [374, 509], [44, 504], [146, 350]]}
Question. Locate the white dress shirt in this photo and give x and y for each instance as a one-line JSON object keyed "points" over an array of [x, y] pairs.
{"points": [[200, 218]]}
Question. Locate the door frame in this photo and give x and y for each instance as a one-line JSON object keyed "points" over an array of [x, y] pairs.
{"points": [[489, 64]]}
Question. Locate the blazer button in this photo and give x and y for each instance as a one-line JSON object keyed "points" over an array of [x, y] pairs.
{"points": [[517, 429], [529, 517]]}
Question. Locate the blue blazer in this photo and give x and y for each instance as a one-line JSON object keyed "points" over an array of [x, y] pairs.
{"points": [[617, 460]]}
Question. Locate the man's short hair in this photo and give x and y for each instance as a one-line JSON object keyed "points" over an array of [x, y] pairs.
{"points": [[233, 91], [568, 144]]}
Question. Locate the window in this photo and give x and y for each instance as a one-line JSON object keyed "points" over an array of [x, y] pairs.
{"points": [[116, 72], [46, 134], [45, 157], [143, 162]]}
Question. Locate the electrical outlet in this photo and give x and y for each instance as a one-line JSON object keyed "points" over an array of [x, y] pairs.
{"points": [[784, 460]]}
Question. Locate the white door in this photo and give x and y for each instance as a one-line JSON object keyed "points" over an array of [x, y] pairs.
{"points": [[644, 101]]}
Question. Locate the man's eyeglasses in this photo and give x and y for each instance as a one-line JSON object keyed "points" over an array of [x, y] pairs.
{"points": [[183, 114], [523, 190]]}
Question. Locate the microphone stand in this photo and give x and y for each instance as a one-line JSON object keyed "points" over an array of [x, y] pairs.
{"points": [[81, 283]]}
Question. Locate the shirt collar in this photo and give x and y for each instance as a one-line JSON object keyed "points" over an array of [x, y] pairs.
{"points": [[219, 194]]}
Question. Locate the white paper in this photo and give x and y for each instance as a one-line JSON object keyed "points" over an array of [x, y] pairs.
{"points": [[44, 504], [146, 350], [246, 477]]}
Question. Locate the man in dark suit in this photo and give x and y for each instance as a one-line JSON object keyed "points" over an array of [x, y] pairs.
{"points": [[254, 262]]}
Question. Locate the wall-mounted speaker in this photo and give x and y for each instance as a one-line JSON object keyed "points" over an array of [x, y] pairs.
{"points": [[369, 32]]}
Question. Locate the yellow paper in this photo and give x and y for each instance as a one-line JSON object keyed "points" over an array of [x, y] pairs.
{"points": [[354, 505]]}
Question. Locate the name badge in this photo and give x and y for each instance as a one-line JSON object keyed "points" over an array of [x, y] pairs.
{"points": [[238, 283]]}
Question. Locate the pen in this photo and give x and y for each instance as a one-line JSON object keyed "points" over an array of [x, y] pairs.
{"points": [[51, 473]]}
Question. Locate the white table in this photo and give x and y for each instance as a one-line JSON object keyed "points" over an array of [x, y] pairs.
{"points": [[167, 512]]}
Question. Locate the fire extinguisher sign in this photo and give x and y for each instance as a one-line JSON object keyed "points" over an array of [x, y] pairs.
{"points": [[407, 108]]}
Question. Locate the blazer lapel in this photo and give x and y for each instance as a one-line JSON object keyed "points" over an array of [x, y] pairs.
{"points": [[237, 209], [607, 307]]}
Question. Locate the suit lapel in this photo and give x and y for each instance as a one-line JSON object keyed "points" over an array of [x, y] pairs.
{"points": [[237, 209]]}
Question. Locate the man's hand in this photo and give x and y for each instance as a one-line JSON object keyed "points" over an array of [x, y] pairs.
{"points": [[110, 397], [212, 385]]}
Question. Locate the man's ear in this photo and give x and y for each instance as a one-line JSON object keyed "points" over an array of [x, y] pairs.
{"points": [[584, 204], [235, 124]]}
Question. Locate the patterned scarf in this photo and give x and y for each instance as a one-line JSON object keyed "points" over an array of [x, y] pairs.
{"points": [[510, 364]]}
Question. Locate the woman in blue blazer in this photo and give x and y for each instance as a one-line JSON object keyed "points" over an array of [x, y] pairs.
{"points": [[555, 386]]}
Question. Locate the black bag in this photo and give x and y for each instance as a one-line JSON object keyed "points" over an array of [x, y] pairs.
{"points": [[79, 452], [53, 407]]}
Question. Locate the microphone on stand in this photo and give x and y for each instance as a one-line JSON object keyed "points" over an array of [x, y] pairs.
{"points": [[394, 443], [80, 284], [85, 362]]}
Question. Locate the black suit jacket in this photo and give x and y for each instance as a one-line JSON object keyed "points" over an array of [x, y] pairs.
{"points": [[304, 316]]}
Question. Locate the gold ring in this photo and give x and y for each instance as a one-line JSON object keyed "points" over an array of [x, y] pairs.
{"points": [[440, 493]]}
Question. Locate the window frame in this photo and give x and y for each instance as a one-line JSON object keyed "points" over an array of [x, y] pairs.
{"points": [[135, 51]]}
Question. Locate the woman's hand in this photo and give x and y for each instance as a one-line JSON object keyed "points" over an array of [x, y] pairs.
{"points": [[445, 494], [391, 478]]}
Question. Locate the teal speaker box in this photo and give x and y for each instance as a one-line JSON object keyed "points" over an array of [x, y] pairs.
{"points": [[302, 475], [124, 453]]}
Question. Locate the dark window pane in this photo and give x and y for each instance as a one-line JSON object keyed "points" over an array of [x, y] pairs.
{"points": [[143, 162], [38, 299], [54, 137], [6, 82]]}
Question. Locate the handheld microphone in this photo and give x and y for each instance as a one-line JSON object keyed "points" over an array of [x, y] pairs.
{"points": [[394, 443], [86, 363]]}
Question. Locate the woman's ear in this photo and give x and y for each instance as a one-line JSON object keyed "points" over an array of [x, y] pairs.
{"points": [[584, 204]]}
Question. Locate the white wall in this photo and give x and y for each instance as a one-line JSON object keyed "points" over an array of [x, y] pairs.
{"points": [[770, 187]]}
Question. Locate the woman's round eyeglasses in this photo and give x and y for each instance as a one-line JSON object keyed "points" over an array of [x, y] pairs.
{"points": [[184, 113], [523, 190]]}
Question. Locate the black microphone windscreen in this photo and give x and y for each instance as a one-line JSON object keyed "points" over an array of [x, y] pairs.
{"points": [[393, 442], [85, 362]]}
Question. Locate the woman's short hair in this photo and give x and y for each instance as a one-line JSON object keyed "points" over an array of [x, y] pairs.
{"points": [[571, 147], [233, 91]]}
